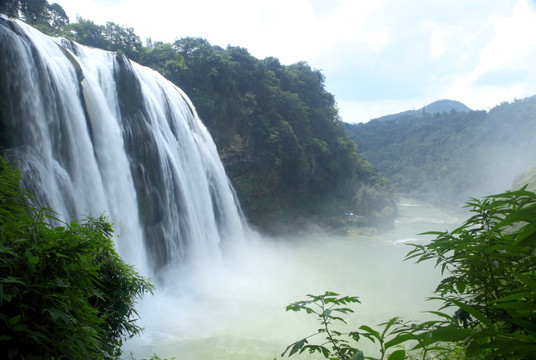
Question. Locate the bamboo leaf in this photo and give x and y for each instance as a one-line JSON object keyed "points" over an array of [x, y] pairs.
{"points": [[472, 311], [370, 331], [399, 339]]}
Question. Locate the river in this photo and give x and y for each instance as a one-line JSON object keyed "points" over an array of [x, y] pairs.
{"points": [[235, 309]]}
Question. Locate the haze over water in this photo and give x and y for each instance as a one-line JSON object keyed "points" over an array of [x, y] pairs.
{"points": [[236, 309]]}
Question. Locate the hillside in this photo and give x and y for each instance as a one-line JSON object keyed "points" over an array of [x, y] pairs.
{"points": [[450, 156], [277, 129], [278, 134]]}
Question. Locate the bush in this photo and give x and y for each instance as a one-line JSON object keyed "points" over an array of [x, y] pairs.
{"points": [[64, 290], [490, 268], [488, 293]]}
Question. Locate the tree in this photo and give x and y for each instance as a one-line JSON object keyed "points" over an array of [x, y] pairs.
{"points": [[64, 291], [56, 18], [28, 10], [111, 37], [117, 37], [48, 18]]}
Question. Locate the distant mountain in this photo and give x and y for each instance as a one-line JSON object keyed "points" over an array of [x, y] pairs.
{"points": [[440, 106], [445, 105], [451, 156]]}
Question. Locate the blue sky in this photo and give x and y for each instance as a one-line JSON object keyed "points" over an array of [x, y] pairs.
{"points": [[379, 57]]}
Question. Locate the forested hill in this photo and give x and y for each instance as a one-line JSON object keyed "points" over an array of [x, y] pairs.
{"points": [[276, 127], [277, 130], [450, 156]]}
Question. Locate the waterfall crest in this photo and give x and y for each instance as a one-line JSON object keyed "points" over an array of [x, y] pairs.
{"points": [[96, 133]]}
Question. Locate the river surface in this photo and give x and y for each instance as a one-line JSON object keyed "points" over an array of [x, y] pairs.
{"points": [[235, 309]]}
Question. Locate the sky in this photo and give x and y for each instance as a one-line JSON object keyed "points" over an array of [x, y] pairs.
{"points": [[379, 57]]}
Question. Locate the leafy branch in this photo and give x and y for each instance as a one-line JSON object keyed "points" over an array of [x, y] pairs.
{"points": [[489, 268]]}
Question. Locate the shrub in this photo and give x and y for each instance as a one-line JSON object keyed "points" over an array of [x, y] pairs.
{"points": [[488, 293], [64, 291]]}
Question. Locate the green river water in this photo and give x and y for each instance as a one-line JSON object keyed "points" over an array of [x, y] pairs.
{"points": [[235, 309]]}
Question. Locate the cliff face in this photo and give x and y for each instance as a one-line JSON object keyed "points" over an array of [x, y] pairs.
{"points": [[238, 150]]}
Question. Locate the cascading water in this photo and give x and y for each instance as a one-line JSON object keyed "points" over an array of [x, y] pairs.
{"points": [[95, 133]]}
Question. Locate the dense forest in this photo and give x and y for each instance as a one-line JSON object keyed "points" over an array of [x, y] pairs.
{"points": [[450, 156], [276, 127]]}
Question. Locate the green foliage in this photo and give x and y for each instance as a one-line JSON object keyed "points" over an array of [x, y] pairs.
{"points": [[111, 36], [64, 291], [337, 345], [48, 18], [156, 357], [488, 293], [490, 271], [276, 127], [28, 10], [327, 309]]}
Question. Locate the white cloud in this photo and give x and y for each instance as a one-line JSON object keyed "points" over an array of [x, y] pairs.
{"points": [[506, 62], [442, 37], [513, 44], [378, 56]]}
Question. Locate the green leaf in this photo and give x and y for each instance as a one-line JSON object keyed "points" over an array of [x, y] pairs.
{"points": [[14, 320], [33, 260], [12, 280], [57, 314], [460, 285], [397, 355], [294, 348], [388, 325], [370, 331], [449, 333], [471, 310], [441, 314], [314, 348], [400, 339]]}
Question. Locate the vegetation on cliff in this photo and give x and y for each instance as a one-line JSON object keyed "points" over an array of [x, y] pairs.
{"points": [[277, 129]]}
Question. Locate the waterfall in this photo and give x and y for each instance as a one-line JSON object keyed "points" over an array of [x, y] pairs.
{"points": [[94, 133]]}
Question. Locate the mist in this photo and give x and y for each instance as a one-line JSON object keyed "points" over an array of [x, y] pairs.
{"points": [[235, 307]]}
